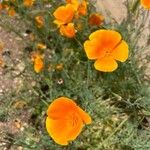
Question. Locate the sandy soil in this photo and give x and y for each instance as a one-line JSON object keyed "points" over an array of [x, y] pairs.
{"points": [[115, 9], [11, 56]]}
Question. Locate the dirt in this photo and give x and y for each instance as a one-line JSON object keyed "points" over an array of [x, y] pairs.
{"points": [[11, 67], [11, 56], [115, 9]]}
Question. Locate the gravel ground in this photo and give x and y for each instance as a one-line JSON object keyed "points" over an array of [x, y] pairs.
{"points": [[12, 65]]}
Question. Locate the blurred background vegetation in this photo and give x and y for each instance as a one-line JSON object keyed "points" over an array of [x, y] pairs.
{"points": [[118, 102]]}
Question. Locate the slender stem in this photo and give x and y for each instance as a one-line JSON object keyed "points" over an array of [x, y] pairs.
{"points": [[78, 42]]}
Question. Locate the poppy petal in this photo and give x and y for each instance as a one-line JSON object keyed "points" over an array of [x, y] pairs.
{"points": [[82, 9], [106, 64], [58, 130], [145, 4], [108, 38], [74, 3], [68, 30], [64, 130], [85, 117], [58, 23], [93, 49], [96, 34], [121, 52], [64, 14], [76, 125], [61, 107], [38, 64]]}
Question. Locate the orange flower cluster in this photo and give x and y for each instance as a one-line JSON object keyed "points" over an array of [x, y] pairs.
{"points": [[65, 120], [96, 19], [9, 9], [64, 16], [106, 47], [80, 7]]}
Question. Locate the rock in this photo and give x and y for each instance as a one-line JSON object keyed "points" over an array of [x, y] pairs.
{"points": [[20, 67], [116, 9]]}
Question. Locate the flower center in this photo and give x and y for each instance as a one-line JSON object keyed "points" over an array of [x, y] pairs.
{"points": [[107, 52]]}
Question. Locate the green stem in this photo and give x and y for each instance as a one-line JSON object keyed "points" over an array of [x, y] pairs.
{"points": [[135, 6]]}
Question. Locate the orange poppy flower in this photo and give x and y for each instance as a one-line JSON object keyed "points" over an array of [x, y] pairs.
{"points": [[38, 62], [82, 9], [11, 12], [64, 14], [65, 120], [59, 66], [96, 19], [5, 6], [74, 3], [80, 6], [145, 4], [106, 47], [28, 3], [39, 21], [68, 30], [1, 7]]}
